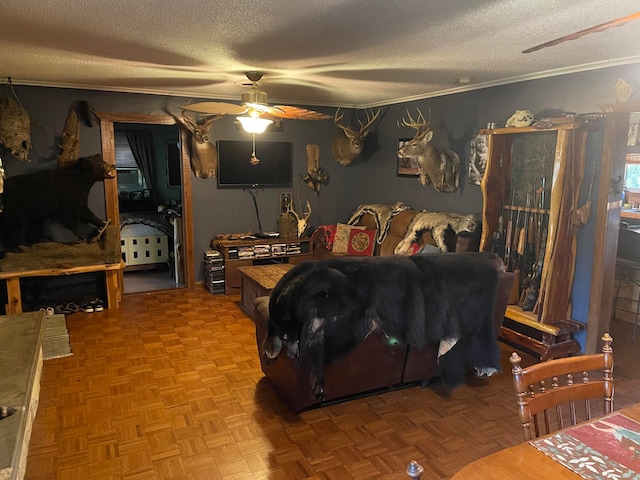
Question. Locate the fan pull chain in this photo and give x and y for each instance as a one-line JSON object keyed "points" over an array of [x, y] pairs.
{"points": [[254, 160]]}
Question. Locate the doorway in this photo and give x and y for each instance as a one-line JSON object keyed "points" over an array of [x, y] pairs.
{"points": [[153, 208]]}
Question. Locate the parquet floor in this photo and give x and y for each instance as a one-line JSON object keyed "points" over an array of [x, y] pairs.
{"points": [[169, 387]]}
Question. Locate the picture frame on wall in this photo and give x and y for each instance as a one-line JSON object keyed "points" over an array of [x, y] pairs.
{"points": [[406, 166], [477, 159]]}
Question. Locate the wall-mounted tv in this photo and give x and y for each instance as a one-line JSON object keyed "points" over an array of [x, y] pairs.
{"points": [[275, 168]]}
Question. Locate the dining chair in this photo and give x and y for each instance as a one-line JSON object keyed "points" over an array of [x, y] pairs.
{"points": [[562, 389]]}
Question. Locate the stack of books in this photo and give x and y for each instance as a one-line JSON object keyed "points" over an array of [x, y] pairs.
{"points": [[214, 271]]}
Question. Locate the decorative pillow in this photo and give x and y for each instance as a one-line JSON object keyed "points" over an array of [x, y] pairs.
{"points": [[361, 242], [341, 240]]}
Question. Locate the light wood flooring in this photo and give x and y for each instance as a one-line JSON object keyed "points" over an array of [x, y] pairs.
{"points": [[169, 387]]}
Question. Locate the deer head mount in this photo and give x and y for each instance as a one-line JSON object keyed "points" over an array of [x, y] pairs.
{"points": [[202, 153], [348, 145], [438, 167], [303, 223], [204, 156]]}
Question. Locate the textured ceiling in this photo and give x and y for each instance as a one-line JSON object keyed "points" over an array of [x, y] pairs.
{"points": [[328, 52]]}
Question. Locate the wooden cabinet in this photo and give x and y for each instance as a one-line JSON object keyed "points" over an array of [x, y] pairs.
{"points": [[533, 180], [245, 253]]}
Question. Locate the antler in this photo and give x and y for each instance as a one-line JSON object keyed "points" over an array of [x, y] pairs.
{"points": [[308, 212], [371, 117], [193, 126], [337, 118], [418, 124]]}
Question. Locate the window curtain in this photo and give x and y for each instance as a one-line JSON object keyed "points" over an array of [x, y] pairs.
{"points": [[140, 143]]}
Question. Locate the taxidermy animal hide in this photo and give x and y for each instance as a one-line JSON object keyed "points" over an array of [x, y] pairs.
{"points": [[438, 223], [382, 215], [321, 310], [59, 195]]}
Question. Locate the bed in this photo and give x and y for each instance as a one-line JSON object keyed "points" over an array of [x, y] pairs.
{"points": [[144, 239]]}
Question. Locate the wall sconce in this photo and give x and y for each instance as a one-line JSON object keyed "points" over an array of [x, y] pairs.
{"points": [[252, 123]]}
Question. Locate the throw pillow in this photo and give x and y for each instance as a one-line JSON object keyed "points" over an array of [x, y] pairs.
{"points": [[361, 242], [341, 240]]}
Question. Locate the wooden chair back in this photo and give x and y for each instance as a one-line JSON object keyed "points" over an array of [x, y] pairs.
{"points": [[562, 389]]}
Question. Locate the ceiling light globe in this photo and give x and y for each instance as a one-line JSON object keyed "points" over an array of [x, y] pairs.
{"points": [[254, 125]]}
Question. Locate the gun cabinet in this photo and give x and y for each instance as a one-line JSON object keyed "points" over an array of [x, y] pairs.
{"points": [[531, 215]]}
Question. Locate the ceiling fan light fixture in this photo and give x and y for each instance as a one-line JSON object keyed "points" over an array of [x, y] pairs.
{"points": [[252, 124]]}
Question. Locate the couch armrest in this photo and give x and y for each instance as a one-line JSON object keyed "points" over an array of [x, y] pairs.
{"points": [[375, 363]]}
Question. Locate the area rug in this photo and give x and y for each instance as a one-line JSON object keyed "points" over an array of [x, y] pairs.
{"points": [[55, 338], [603, 449]]}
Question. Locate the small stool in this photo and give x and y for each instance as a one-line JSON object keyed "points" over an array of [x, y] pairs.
{"points": [[628, 271]]}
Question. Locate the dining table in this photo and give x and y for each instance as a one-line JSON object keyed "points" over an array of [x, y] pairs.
{"points": [[603, 447]]}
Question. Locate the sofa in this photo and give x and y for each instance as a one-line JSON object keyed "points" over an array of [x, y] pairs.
{"points": [[376, 364], [390, 224]]}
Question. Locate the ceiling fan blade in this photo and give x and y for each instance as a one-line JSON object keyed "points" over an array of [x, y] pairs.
{"points": [[597, 28], [215, 108], [262, 108], [296, 113]]}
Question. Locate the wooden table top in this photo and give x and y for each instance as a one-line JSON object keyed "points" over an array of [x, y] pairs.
{"points": [[630, 213], [525, 462], [266, 275]]}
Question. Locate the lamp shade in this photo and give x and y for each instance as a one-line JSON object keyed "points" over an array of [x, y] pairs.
{"points": [[254, 124]]}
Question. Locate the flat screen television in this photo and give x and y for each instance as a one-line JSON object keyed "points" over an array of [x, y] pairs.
{"points": [[235, 170]]}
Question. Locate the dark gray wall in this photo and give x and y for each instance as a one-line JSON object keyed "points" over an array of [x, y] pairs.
{"points": [[372, 179]]}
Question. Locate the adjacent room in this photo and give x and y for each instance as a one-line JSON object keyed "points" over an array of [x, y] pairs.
{"points": [[245, 240]]}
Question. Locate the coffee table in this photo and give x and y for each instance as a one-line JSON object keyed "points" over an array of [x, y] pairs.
{"points": [[259, 280]]}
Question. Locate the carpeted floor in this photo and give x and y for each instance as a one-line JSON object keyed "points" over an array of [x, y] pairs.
{"points": [[55, 338]]}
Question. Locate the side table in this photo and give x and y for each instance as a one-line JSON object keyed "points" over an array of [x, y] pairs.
{"points": [[259, 280]]}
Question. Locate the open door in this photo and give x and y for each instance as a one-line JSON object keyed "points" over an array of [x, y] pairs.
{"points": [[107, 120]]}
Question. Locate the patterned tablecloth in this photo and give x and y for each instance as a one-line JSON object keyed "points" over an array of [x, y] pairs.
{"points": [[607, 448]]}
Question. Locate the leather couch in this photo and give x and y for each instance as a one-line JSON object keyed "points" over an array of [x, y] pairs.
{"points": [[375, 364], [398, 226]]}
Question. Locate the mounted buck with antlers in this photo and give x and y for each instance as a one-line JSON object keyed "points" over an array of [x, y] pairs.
{"points": [[347, 147], [203, 153], [440, 167]]}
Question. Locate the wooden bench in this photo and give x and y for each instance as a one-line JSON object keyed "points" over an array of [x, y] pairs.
{"points": [[111, 272]]}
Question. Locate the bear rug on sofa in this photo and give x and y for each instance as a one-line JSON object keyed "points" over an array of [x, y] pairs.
{"points": [[321, 310]]}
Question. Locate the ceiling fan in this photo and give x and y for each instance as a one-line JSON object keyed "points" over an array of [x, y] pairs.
{"points": [[254, 103]]}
